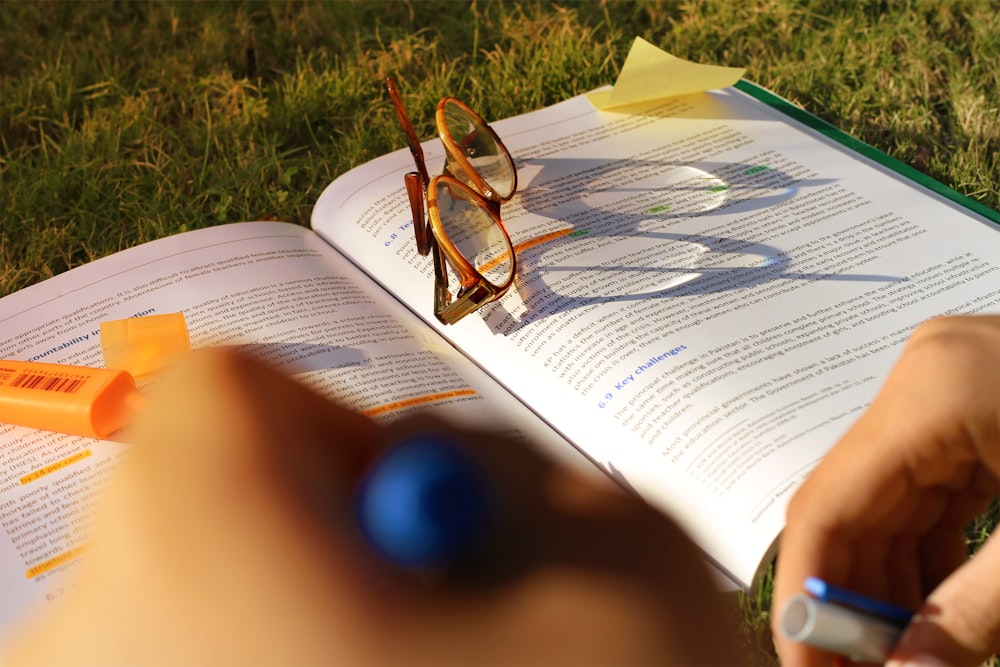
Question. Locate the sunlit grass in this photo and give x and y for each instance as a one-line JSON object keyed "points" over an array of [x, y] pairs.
{"points": [[124, 122]]}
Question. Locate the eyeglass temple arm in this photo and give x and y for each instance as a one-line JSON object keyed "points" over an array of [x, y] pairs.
{"points": [[442, 297], [421, 230], [411, 136]]}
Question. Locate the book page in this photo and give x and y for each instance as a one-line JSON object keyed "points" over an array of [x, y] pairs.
{"points": [[275, 290], [708, 293]]}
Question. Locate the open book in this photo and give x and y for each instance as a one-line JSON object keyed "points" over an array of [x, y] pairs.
{"points": [[710, 290]]}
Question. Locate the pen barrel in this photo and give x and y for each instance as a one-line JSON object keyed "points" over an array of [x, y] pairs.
{"points": [[837, 629], [92, 402]]}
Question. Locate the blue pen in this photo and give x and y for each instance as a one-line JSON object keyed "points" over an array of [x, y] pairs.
{"points": [[825, 592], [843, 622], [424, 504]]}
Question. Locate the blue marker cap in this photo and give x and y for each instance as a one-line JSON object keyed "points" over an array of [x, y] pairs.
{"points": [[424, 503]]}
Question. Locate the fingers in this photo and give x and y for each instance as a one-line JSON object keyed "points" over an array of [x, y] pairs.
{"points": [[227, 410], [959, 623], [235, 520], [217, 542], [883, 512], [609, 579]]}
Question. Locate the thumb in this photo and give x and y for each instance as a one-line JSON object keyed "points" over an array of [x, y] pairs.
{"points": [[959, 623]]}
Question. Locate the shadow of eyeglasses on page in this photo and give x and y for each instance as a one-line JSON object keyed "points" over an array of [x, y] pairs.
{"points": [[589, 232]]}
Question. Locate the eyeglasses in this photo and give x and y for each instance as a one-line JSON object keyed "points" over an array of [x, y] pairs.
{"points": [[462, 229]]}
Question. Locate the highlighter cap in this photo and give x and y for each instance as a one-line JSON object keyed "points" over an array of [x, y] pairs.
{"points": [[143, 345]]}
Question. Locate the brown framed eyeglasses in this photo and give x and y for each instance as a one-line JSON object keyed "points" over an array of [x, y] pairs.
{"points": [[461, 229]]}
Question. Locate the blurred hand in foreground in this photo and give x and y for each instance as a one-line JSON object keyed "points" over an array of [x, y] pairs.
{"points": [[885, 512], [228, 539]]}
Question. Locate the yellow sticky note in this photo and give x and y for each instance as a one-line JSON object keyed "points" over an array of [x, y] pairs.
{"points": [[650, 73], [142, 345]]}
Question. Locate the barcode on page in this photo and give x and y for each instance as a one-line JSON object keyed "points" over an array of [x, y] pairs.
{"points": [[47, 383]]}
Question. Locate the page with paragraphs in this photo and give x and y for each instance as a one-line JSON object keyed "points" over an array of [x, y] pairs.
{"points": [[708, 293], [277, 291]]}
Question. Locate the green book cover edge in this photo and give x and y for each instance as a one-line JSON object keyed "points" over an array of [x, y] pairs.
{"points": [[832, 132]]}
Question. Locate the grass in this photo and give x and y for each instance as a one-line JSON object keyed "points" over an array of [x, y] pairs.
{"points": [[121, 122]]}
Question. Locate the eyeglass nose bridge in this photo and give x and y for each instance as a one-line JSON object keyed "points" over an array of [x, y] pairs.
{"points": [[474, 180]]}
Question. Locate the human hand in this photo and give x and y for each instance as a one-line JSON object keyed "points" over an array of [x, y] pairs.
{"points": [[885, 512], [228, 538]]}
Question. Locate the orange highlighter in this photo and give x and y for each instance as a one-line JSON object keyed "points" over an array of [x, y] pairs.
{"points": [[92, 402]]}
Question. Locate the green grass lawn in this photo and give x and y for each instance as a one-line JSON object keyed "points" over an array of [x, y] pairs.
{"points": [[123, 122]]}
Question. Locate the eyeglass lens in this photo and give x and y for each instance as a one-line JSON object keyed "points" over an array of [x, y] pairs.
{"points": [[475, 234], [478, 145]]}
